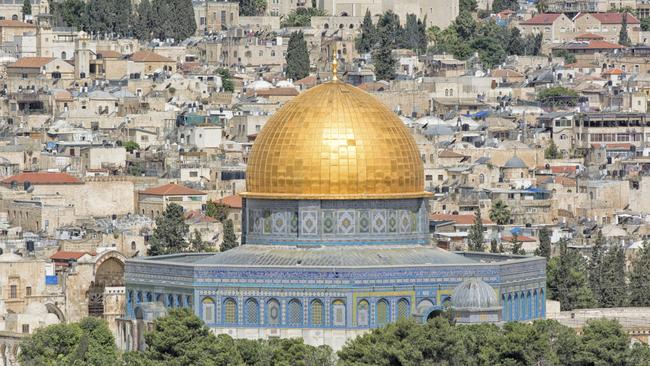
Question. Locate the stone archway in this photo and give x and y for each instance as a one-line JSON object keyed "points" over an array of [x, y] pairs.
{"points": [[109, 272], [53, 309]]}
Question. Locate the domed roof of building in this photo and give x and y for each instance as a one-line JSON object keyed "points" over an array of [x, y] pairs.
{"points": [[474, 294], [334, 141], [260, 85], [515, 162]]}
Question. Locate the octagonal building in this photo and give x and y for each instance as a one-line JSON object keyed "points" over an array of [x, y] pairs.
{"points": [[335, 238]]}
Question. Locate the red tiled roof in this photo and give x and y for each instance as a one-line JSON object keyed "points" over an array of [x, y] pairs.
{"points": [[172, 190], [148, 56], [31, 62], [541, 19], [613, 72], [521, 238], [232, 201], [198, 216], [308, 80], [64, 255], [42, 178], [611, 18], [566, 182], [589, 36], [459, 219], [15, 24], [563, 169]]}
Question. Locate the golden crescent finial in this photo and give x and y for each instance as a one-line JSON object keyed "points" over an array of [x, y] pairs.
{"points": [[335, 63]]}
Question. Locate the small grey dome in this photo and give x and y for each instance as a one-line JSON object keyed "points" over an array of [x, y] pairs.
{"points": [[515, 162], [474, 294]]}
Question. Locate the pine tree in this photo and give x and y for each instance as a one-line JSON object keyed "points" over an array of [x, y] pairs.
{"points": [[595, 267], [551, 151], [27, 8], [501, 248], [229, 238], [640, 278], [226, 80], [475, 238], [297, 57], [182, 18], [366, 40], [196, 242], [142, 21], [614, 286], [544, 249], [170, 233], [623, 37], [567, 280]]}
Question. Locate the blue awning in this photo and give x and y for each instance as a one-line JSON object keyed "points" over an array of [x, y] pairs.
{"points": [[480, 114]]}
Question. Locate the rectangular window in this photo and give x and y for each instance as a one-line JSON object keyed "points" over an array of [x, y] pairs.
{"points": [[429, 177], [440, 177], [25, 328], [194, 174], [28, 291], [13, 292]]}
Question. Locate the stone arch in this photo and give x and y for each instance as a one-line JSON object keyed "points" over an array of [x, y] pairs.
{"points": [[109, 272], [53, 309], [3, 355]]}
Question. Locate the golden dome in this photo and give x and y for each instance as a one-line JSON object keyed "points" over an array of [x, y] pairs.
{"points": [[334, 141]]}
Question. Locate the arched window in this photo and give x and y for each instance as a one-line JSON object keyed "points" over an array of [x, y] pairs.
{"points": [[64, 56], [170, 301], [362, 312], [338, 313], [383, 315], [230, 311], [451, 92], [295, 312], [446, 92], [273, 312], [326, 26], [149, 297], [14, 17], [188, 301], [252, 312], [179, 301], [207, 310], [139, 297], [481, 178], [403, 310], [316, 313], [133, 245]]}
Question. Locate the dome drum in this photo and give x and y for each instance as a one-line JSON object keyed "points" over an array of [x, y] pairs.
{"points": [[335, 222]]}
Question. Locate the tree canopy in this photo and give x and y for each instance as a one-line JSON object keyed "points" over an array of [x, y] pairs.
{"points": [[567, 280], [297, 57], [558, 95], [170, 233], [229, 237], [301, 17], [475, 239]]}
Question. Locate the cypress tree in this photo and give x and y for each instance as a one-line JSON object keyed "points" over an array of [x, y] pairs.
{"points": [[614, 286], [297, 57], [595, 267], [517, 245], [623, 37], [544, 249], [567, 280], [142, 20], [170, 233], [494, 246], [366, 40], [229, 238], [640, 278], [475, 238], [123, 11]]}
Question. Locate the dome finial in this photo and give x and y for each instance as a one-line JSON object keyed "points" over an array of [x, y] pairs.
{"points": [[335, 63]]}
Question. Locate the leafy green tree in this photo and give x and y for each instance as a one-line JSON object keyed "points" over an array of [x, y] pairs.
{"points": [[551, 151], [501, 5], [180, 338], [142, 21], [544, 249], [558, 95], [475, 239], [226, 80], [465, 26], [284, 351], [297, 56], [500, 213], [27, 8], [252, 7], [516, 44], [216, 210], [468, 6], [383, 60], [533, 44], [301, 17], [229, 237], [197, 244], [569, 58], [366, 39], [596, 266], [640, 277], [170, 232], [131, 146], [645, 24], [623, 37], [566, 280], [614, 287], [89, 342], [489, 50], [604, 342], [541, 6]]}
